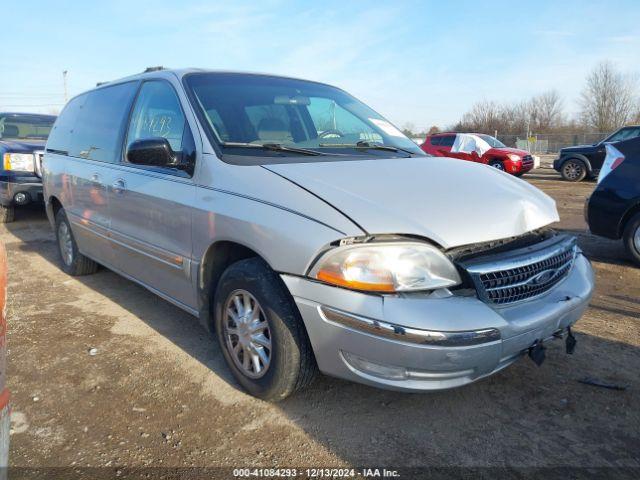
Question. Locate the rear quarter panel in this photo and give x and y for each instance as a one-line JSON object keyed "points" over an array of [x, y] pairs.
{"points": [[614, 200]]}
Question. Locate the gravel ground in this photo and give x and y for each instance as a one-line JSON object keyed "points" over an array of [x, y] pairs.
{"points": [[156, 392]]}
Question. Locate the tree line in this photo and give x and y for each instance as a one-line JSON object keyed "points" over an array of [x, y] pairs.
{"points": [[609, 100]]}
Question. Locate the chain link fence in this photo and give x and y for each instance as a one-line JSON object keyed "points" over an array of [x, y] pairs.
{"points": [[543, 143]]}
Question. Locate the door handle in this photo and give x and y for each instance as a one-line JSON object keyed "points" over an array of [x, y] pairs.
{"points": [[119, 186]]}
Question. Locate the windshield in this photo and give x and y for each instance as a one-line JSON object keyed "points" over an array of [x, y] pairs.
{"points": [[494, 142], [242, 109], [25, 127]]}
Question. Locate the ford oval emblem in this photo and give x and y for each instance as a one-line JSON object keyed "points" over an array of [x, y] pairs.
{"points": [[543, 277]]}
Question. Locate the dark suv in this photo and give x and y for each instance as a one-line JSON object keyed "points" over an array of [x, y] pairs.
{"points": [[585, 161], [22, 139]]}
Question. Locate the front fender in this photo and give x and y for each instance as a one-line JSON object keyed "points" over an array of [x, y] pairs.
{"points": [[578, 156]]}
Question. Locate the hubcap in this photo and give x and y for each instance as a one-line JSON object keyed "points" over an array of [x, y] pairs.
{"points": [[572, 170], [65, 243], [498, 165], [246, 333], [636, 239]]}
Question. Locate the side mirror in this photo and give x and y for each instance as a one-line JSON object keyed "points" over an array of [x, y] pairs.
{"points": [[153, 151]]}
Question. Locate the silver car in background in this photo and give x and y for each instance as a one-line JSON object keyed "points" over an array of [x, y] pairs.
{"points": [[308, 233]]}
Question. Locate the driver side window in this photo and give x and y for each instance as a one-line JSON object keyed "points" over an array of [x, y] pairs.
{"points": [[157, 113]]}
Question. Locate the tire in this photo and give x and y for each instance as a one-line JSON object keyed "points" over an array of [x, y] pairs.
{"points": [[7, 214], [497, 164], [73, 262], [573, 170], [631, 238], [291, 365]]}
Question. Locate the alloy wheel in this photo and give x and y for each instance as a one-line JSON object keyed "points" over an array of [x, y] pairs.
{"points": [[247, 335], [572, 170], [636, 239], [498, 165], [65, 242]]}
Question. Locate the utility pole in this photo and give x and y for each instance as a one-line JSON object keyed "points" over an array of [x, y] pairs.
{"points": [[64, 81]]}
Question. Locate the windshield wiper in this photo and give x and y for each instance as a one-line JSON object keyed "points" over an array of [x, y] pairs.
{"points": [[377, 146], [368, 145], [275, 147]]}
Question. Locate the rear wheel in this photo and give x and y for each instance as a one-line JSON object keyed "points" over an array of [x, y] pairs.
{"points": [[573, 170], [261, 333], [631, 238], [73, 262], [497, 164], [7, 214]]}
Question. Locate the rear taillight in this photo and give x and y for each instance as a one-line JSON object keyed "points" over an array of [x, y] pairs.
{"points": [[612, 161]]}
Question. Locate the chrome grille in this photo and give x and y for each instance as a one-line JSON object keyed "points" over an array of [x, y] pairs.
{"points": [[522, 274], [527, 161]]}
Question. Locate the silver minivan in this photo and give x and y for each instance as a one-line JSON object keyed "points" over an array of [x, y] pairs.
{"points": [[307, 232]]}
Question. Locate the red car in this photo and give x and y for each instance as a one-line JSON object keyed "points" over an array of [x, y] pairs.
{"points": [[481, 148]]}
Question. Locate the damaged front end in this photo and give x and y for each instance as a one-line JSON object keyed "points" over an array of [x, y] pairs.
{"points": [[523, 269]]}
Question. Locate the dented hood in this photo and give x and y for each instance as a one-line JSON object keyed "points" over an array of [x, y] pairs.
{"points": [[449, 201]]}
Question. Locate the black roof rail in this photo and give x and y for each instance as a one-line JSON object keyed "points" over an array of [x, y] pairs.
{"points": [[99, 84], [154, 69]]}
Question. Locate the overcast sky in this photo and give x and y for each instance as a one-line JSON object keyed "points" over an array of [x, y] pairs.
{"points": [[420, 62]]}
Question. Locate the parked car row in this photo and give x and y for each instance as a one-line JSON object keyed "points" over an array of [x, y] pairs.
{"points": [[307, 232]]}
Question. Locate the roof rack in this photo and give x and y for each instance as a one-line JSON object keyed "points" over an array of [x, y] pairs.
{"points": [[154, 69], [99, 84]]}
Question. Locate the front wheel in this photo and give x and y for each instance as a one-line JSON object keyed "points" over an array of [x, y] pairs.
{"points": [[497, 164], [573, 170], [73, 262], [261, 333], [631, 238]]}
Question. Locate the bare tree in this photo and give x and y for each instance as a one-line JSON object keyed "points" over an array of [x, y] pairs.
{"points": [[545, 111], [485, 116], [607, 101]]}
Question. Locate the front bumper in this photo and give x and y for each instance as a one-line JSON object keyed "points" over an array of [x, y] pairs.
{"points": [[8, 190], [518, 166], [361, 355]]}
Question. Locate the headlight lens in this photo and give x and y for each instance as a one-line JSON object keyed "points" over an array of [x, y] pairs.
{"points": [[514, 157], [22, 162], [386, 267]]}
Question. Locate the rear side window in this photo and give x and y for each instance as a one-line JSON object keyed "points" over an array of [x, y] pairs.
{"points": [[97, 134], [435, 141], [60, 138], [157, 114], [447, 140]]}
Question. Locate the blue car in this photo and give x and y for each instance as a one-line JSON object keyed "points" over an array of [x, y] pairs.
{"points": [[22, 140]]}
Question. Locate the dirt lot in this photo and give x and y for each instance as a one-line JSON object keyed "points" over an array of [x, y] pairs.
{"points": [[157, 392]]}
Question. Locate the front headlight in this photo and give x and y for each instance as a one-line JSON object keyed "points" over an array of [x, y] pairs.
{"points": [[386, 267], [513, 157], [23, 162]]}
